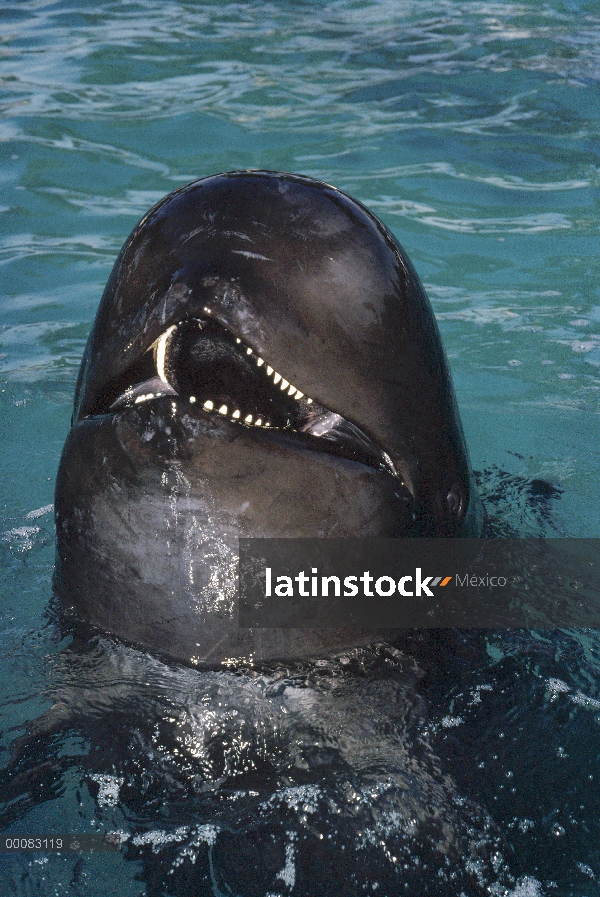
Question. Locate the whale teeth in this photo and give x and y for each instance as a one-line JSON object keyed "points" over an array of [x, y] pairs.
{"points": [[210, 406], [161, 351], [162, 360], [284, 385]]}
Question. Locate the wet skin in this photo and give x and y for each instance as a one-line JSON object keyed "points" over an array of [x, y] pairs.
{"points": [[264, 362]]}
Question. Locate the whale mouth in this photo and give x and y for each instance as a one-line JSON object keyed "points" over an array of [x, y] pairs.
{"points": [[216, 373]]}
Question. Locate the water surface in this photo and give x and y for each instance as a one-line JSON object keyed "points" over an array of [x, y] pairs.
{"points": [[471, 129]]}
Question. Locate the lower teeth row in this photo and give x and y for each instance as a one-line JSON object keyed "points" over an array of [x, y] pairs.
{"points": [[236, 415]]}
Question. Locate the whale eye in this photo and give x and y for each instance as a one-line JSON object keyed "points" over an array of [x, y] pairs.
{"points": [[456, 503]]}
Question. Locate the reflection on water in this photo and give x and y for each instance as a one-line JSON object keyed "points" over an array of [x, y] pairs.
{"points": [[440, 759], [446, 763], [325, 769], [451, 760]]}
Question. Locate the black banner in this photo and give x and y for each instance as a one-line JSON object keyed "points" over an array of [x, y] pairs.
{"points": [[423, 583]]}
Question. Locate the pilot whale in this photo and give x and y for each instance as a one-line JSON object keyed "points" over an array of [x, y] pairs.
{"points": [[264, 363]]}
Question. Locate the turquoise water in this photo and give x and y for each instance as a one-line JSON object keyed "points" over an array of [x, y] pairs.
{"points": [[472, 130]]}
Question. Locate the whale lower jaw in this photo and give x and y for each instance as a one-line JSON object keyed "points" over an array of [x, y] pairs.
{"points": [[151, 502]]}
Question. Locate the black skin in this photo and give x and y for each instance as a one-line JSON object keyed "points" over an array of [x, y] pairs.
{"points": [[151, 497]]}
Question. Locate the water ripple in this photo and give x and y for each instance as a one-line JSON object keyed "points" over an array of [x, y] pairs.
{"points": [[91, 246], [471, 127], [132, 202], [507, 182], [67, 143], [270, 65], [519, 224]]}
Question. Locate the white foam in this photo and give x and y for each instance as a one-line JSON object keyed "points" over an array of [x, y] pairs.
{"points": [[22, 537], [157, 838], [587, 870], [108, 795], [585, 700], [206, 834], [288, 873], [449, 721], [527, 887], [304, 798], [39, 512]]}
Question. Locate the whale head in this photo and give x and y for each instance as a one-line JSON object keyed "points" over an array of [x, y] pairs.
{"points": [[264, 362]]}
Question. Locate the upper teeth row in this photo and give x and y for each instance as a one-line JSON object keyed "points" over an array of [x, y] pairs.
{"points": [[284, 385]]}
